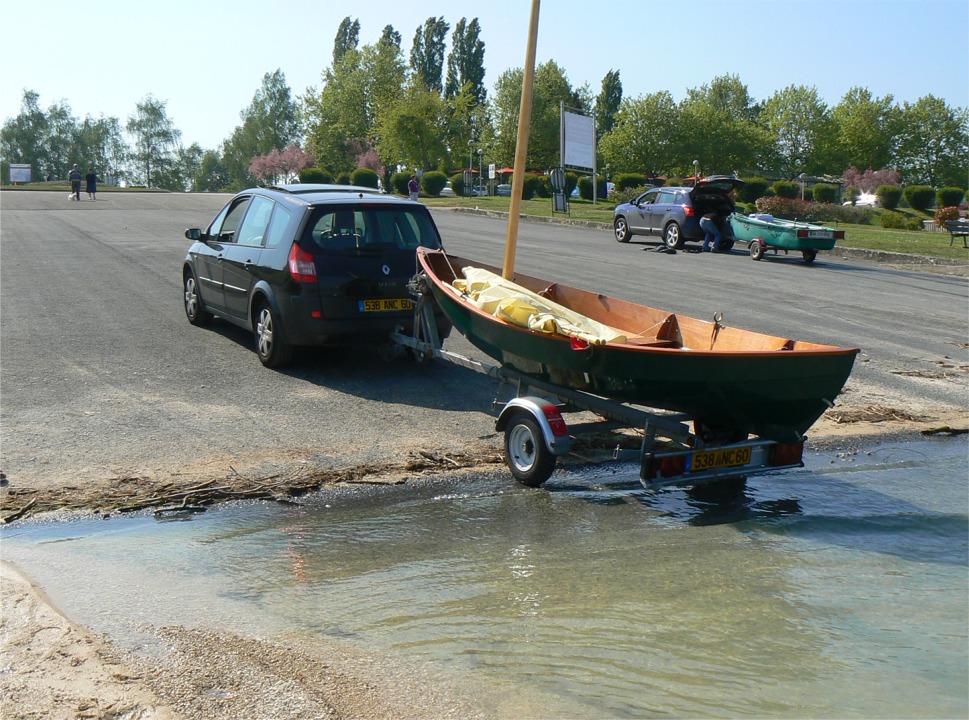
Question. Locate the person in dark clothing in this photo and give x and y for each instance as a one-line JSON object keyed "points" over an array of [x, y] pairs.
{"points": [[75, 177], [711, 233], [91, 179]]}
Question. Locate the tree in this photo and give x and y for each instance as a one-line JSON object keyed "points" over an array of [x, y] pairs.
{"points": [[347, 37], [798, 125], [156, 141], [465, 64], [643, 138], [103, 147], [551, 88], [211, 175], [718, 127], [413, 128], [271, 121], [427, 52], [23, 139], [337, 116], [281, 165], [607, 103], [934, 144], [866, 129]]}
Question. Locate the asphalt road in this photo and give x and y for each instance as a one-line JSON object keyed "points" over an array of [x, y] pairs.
{"points": [[103, 376]]}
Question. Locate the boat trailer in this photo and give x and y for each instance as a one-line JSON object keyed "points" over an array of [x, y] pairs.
{"points": [[671, 453]]}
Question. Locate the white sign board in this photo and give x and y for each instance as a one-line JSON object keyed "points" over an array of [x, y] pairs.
{"points": [[19, 173], [580, 141], [491, 171]]}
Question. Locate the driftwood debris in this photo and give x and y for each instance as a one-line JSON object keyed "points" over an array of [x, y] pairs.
{"points": [[129, 493]]}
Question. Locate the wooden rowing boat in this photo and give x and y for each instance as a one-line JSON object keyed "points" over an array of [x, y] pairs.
{"points": [[727, 378]]}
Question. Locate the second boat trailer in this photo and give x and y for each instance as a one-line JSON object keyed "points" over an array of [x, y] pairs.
{"points": [[536, 433]]}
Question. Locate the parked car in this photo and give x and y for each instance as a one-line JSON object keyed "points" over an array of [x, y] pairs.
{"points": [[308, 265], [674, 213], [503, 190], [447, 190]]}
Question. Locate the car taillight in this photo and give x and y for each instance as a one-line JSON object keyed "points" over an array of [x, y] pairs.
{"points": [[302, 268], [687, 210]]}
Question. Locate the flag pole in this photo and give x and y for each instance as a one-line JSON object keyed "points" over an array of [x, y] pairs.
{"points": [[521, 147]]}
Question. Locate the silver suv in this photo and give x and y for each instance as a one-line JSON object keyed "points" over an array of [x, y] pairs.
{"points": [[674, 213]]}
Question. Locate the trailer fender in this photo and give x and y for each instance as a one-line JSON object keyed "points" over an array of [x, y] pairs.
{"points": [[545, 413]]}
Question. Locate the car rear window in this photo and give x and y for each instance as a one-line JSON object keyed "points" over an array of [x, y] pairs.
{"points": [[370, 228]]}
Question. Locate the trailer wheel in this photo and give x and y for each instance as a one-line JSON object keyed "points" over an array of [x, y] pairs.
{"points": [[718, 491], [756, 249], [526, 454], [809, 256]]}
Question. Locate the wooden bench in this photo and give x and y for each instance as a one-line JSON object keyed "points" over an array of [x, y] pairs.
{"points": [[958, 228]]}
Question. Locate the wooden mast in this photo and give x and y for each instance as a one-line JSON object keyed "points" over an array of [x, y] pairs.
{"points": [[521, 147]]}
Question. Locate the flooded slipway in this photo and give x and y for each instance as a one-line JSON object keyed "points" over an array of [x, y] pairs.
{"points": [[839, 590]]}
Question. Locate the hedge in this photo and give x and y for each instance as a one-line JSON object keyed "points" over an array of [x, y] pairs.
{"points": [[315, 175], [888, 196], [949, 197], [433, 182], [919, 197], [365, 177]]}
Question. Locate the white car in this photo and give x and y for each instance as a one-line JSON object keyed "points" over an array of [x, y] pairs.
{"points": [[447, 190], [864, 200]]}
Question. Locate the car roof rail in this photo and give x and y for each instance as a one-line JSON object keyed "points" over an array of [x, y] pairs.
{"points": [[307, 188]]}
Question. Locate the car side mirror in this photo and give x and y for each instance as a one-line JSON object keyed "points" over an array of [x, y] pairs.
{"points": [[193, 234]]}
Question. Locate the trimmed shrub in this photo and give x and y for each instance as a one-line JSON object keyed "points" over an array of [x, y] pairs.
{"points": [[365, 177], [585, 187], [627, 194], [914, 223], [315, 175], [457, 183], [343, 178], [893, 220], [949, 197], [399, 180], [888, 196], [945, 214], [433, 181], [825, 193], [544, 188], [852, 194], [628, 180], [530, 186], [753, 188], [571, 180], [786, 189], [919, 197]]}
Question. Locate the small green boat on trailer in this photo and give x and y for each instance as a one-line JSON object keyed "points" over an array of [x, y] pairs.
{"points": [[724, 377], [762, 232]]}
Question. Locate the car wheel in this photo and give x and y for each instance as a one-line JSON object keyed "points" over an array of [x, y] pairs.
{"points": [[756, 249], [194, 308], [621, 229], [672, 238], [725, 245], [271, 345]]}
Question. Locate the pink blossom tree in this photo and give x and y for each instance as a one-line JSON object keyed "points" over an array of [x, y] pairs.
{"points": [[281, 165]]}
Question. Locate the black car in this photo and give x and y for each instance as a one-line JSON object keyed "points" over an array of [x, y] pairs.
{"points": [[309, 265], [674, 213]]}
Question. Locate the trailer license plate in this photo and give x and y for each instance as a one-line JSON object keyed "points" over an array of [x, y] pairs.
{"points": [[724, 457], [819, 233], [386, 305]]}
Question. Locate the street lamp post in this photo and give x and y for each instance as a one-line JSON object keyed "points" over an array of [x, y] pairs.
{"points": [[480, 168], [470, 163]]}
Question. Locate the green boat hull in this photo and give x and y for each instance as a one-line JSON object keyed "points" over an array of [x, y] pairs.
{"points": [[774, 394], [781, 233]]}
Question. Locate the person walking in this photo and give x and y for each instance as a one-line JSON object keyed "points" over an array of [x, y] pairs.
{"points": [[708, 223], [75, 177], [91, 179], [413, 188]]}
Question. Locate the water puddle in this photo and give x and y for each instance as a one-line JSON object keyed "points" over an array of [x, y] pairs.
{"points": [[836, 590]]}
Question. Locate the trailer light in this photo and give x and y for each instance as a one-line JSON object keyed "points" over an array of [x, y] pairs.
{"points": [[786, 454], [802, 233], [839, 234], [555, 420]]}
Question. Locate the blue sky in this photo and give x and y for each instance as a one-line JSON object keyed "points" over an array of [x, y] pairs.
{"points": [[206, 58]]}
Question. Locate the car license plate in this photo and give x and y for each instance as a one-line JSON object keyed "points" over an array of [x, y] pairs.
{"points": [[723, 457], [386, 305], [819, 233]]}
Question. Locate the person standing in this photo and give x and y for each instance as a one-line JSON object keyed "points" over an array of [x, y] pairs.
{"points": [[708, 223], [75, 177], [413, 188], [91, 179]]}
